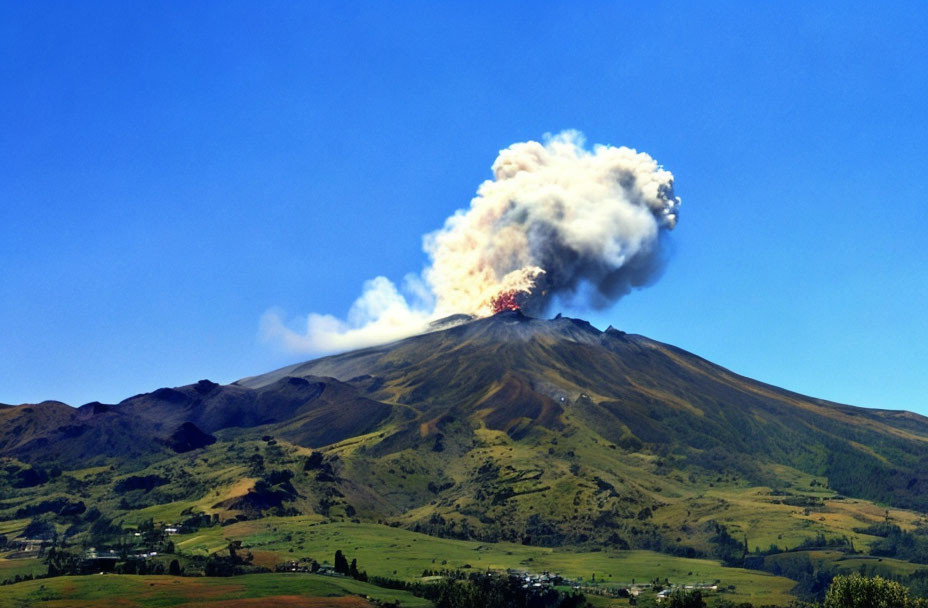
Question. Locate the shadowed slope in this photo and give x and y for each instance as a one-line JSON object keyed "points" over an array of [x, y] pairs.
{"points": [[310, 412]]}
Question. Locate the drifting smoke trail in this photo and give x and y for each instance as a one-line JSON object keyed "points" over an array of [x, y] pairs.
{"points": [[556, 221]]}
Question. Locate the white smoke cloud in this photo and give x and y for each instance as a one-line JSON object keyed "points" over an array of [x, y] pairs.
{"points": [[382, 314], [556, 220]]}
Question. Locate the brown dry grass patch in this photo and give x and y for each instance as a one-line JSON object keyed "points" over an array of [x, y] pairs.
{"points": [[188, 588], [286, 601], [268, 559], [107, 603], [240, 487], [244, 528]]}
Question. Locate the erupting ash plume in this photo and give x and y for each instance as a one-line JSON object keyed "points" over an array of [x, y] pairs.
{"points": [[556, 221]]}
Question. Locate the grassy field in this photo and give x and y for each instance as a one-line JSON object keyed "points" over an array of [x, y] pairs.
{"points": [[846, 564], [684, 507], [385, 551], [279, 590], [13, 527], [764, 519], [9, 568], [397, 553]]}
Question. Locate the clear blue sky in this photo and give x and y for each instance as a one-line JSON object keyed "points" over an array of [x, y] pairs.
{"points": [[170, 171]]}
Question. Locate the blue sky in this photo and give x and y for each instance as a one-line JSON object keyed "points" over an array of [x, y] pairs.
{"points": [[171, 171]]}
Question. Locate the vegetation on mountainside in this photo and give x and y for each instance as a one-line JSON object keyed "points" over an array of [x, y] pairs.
{"points": [[724, 505], [538, 440], [856, 591]]}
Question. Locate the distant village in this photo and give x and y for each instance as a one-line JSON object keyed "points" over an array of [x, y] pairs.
{"points": [[528, 581], [140, 545]]}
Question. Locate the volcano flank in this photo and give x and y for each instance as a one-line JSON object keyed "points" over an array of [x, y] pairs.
{"points": [[508, 427]]}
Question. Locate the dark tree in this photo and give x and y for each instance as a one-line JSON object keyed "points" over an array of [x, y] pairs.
{"points": [[341, 562], [38, 528], [313, 462], [686, 599]]}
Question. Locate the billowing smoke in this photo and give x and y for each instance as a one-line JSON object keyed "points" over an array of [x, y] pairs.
{"points": [[558, 221]]}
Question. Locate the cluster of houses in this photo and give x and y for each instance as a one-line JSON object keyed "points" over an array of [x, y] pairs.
{"points": [[24, 548], [537, 581], [528, 581], [546, 579], [169, 530], [665, 593], [308, 566], [294, 566], [100, 561], [105, 561], [92, 560]]}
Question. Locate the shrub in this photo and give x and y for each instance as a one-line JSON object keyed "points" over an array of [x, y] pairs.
{"points": [[857, 591]]}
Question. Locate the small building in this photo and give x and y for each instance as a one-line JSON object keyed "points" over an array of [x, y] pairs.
{"points": [[99, 561]]}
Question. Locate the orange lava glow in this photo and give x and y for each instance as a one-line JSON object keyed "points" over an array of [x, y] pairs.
{"points": [[505, 301]]}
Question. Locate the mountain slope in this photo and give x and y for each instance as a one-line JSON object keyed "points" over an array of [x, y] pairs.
{"points": [[314, 411], [515, 374], [505, 428]]}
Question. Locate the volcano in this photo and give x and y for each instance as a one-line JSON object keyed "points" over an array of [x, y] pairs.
{"points": [[528, 377], [503, 428]]}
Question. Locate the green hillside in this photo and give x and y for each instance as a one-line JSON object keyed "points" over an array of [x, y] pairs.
{"points": [[549, 444], [284, 590]]}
